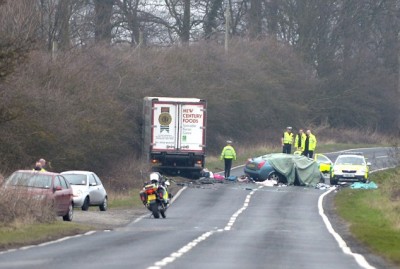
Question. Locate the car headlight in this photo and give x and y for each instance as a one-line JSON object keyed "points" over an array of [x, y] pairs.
{"points": [[362, 171], [78, 193]]}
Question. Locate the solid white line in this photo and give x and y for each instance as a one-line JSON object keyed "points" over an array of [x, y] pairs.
{"points": [[382, 157], [342, 244]]}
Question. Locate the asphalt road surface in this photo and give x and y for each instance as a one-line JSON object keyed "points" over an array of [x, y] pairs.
{"points": [[232, 225]]}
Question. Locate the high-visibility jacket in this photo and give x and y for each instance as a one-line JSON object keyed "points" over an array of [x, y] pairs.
{"points": [[41, 170], [312, 142], [228, 152], [287, 138], [302, 142]]}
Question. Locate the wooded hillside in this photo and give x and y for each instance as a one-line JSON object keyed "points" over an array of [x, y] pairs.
{"points": [[73, 73]]}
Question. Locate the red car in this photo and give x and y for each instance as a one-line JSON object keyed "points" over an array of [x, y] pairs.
{"points": [[45, 186]]}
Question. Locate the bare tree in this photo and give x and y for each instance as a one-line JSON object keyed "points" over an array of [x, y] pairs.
{"points": [[210, 22], [255, 19], [19, 23], [103, 26], [63, 16]]}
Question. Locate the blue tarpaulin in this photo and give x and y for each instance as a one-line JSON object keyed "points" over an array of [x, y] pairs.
{"points": [[367, 186]]}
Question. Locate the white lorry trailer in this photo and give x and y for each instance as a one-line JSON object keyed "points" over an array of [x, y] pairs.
{"points": [[174, 134]]}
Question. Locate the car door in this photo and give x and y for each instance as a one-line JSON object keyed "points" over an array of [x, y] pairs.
{"points": [[101, 187], [67, 191], [94, 191], [59, 199], [325, 164]]}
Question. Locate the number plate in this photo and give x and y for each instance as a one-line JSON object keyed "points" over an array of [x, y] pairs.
{"points": [[348, 175], [251, 166], [151, 197]]}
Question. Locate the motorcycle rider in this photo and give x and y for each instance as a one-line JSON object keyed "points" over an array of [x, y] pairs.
{"points": [[162, 186]]}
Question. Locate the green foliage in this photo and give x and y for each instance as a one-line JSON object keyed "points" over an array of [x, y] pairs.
{"points": [[373, 214]]}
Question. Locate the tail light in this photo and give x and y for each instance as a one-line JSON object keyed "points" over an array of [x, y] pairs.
{"points": [[154, 161], [150, 191], [261, 164]]}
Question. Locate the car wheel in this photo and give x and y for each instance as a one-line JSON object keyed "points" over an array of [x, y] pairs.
{"points": [[104, 205], [70, 214], [86, 203], [333, 181], [275, 176]]}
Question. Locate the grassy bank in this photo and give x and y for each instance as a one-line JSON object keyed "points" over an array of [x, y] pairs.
{"points": [[26, 231], [374, 215], [26, 234]]}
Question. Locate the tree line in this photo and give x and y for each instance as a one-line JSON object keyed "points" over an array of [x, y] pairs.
{"points": [[73, 72]]}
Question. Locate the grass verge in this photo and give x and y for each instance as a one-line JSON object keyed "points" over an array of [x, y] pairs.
{"points": [[27, 234], [373, 215], [126, 199]]}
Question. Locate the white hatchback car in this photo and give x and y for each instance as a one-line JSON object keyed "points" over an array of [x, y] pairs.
{"points": [[87, 189]]}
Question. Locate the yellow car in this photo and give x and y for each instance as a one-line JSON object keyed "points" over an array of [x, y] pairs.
{"points": [[349, 167], [325, 164]]}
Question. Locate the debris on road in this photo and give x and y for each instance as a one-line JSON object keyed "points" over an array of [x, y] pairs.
{"points": [[366, 186]]}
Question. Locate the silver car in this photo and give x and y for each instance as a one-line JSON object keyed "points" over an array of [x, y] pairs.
{"points": [[87, 189]]}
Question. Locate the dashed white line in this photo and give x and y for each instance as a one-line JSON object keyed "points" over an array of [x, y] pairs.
{"points": [[175, 255]]}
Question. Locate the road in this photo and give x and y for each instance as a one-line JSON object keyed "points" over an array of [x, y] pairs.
{"points": [[232, 225]]}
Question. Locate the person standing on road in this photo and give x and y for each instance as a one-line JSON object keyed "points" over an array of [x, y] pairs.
{"points": [[309, 145], [287, 141], [228, 154], [299, 141]]}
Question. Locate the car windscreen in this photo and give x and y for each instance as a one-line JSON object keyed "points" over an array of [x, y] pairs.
{"points": [[350, 160], [30, 180], [75, 179]]}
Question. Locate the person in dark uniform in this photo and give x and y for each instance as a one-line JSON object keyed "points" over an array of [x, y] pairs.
{"points": [[228, 154]]}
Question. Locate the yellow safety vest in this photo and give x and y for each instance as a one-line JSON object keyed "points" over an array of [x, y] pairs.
{"points": [[287, 138], [228, 153], [312, 142], [303, 141]]}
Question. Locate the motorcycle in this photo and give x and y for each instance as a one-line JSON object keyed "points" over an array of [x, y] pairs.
{"points": [[155, 198]]}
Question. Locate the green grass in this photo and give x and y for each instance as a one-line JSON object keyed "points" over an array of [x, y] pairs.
{"points": [[27, 234], [126, 199], [374, 215]]}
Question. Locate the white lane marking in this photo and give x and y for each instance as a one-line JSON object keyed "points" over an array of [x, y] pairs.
{"points": [[175, 255], [48, 243], [385, 156], [342, 244]]}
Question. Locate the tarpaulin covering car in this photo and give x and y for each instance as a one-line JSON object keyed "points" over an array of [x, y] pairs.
{"points": [[296, 170]]}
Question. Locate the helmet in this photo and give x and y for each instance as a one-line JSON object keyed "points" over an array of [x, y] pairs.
{"points": [[155, 177]]}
